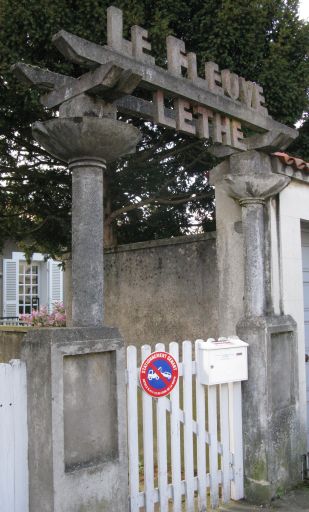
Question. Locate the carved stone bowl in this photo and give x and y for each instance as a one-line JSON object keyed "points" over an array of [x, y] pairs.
{"points": [[80, 137]]}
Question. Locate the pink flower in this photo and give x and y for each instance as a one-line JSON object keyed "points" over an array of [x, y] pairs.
{"points": [[42, 318]]}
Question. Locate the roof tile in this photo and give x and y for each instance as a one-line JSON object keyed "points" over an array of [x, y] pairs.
{"points": [[297, 163]]}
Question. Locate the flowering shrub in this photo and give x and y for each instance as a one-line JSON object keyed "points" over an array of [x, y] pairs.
{"points": [[42, 318]]}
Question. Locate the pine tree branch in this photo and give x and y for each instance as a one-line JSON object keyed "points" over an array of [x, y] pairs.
{"points": [[171, 201]]}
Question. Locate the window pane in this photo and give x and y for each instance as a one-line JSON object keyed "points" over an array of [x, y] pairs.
{"points": [[28, 269], [27, 279], [27, 309], [27, 299], [35, 279], [34, 290]]}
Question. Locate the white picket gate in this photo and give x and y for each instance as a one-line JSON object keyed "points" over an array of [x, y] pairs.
{"points": [[184, 450], [13, 438]]}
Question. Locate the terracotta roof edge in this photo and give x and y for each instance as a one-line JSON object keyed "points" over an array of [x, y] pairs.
{"points": [[297, 163]]}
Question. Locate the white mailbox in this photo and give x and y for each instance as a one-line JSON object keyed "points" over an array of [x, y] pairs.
{"points": [[222, 361]]}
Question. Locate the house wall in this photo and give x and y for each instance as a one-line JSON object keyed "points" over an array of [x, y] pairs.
{"points": [[293, 208]]}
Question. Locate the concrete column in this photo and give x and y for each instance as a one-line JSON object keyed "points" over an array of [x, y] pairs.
{"points": [[87, 144], [76, 376], [248, 179], [273, 439], [87, 241], [254, 271]]}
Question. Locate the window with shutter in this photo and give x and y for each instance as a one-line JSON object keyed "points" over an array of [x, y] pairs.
{"points": [[10, 288], [28, 286], [55, 283]]}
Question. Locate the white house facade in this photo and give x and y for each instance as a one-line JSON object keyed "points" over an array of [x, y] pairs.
{"points": [[293, 277]]}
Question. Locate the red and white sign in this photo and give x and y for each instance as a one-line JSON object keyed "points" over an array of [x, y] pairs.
{"points": [[159, 374]]}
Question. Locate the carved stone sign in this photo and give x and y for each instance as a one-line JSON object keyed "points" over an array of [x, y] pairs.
{"points": [[216, 106]]}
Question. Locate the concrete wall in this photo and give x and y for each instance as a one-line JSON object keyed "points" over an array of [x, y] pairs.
{"points": [[163, 290], [10, 342]]}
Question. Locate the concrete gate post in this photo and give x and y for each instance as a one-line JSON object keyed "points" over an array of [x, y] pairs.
{"points": [[76, 376], [273, 440]]}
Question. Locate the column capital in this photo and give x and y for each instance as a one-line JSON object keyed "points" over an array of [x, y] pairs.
{"points": [[248, 176], [254, 188], [92, 138]]}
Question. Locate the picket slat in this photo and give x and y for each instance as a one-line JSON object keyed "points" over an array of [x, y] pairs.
{"points": [[13, 437], [133, 429], [188, 430], [162, 447], [213, 451], [175, 436], [7, 447], [201, 441], [225, 441], [21, 477], [236, 442], [148, 442]]}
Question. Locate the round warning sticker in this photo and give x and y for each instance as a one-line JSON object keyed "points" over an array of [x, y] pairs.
{"points": [[159, 374]]}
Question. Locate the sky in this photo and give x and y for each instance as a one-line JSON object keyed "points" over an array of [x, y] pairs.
{"points": [[304, 9]]}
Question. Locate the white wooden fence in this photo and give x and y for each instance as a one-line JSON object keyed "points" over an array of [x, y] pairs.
{"points": [[185, 450], [13, 438]]}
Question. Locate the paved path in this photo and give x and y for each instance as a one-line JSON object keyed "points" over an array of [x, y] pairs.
{"points": [[294, 501]]}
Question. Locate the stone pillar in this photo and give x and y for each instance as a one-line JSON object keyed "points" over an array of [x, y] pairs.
{"points": [[87, 241], [250, 181], [87, 144], [76, 376], [273, 441], [253, 231]]}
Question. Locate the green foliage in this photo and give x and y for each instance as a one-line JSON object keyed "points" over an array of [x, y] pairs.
{"points": [[300, 146], [262, 40]]}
